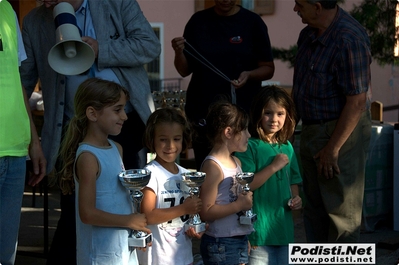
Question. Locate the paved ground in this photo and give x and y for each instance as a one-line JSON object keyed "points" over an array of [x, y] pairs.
{"points": [[31, 240]]}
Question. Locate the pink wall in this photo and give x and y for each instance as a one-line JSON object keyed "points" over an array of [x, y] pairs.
{"points": [[284, 26], [174, 14]]}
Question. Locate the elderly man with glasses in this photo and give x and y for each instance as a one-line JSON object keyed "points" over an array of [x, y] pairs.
{"points": [[331, 85]]}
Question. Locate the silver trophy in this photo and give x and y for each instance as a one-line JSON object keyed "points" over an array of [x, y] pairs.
{"points": [[244, 179], [134, 180], [194, 180]]}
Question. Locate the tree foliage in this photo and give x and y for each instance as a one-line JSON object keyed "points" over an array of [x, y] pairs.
{"points": [[378, 18]]}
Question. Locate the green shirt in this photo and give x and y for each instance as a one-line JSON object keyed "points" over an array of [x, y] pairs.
{"points": [[274, 225], [14, 119]]}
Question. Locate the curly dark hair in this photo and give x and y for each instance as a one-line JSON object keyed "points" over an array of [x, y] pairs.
{"points": [[223, 114], [166, 115]]}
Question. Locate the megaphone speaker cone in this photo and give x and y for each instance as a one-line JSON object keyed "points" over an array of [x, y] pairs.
{"points": [[80, 63], [70, 55]]}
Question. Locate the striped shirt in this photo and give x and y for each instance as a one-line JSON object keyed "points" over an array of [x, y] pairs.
{"points": [[330, 67]]}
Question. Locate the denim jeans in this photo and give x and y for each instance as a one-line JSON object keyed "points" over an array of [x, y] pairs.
{"points": [[269, 255], [224, 250], [12, 184]]}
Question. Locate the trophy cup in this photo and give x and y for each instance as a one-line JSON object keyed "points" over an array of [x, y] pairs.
{"points": [[194, 180], [134, 180], [244, 179]]}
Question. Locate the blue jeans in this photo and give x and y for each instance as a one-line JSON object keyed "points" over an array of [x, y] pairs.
{"points": [[12, 184], [224, 250], [269, 255]]}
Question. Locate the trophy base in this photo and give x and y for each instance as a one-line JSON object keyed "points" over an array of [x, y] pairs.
{"points": [[197, 228], [248, 220], [140, 242]]}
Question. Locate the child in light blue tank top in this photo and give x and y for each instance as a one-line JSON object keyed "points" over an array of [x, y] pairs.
{"points": [[92, 163]]}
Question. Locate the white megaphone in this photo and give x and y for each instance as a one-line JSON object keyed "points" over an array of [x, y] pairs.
{"points": [[70, 55]]}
